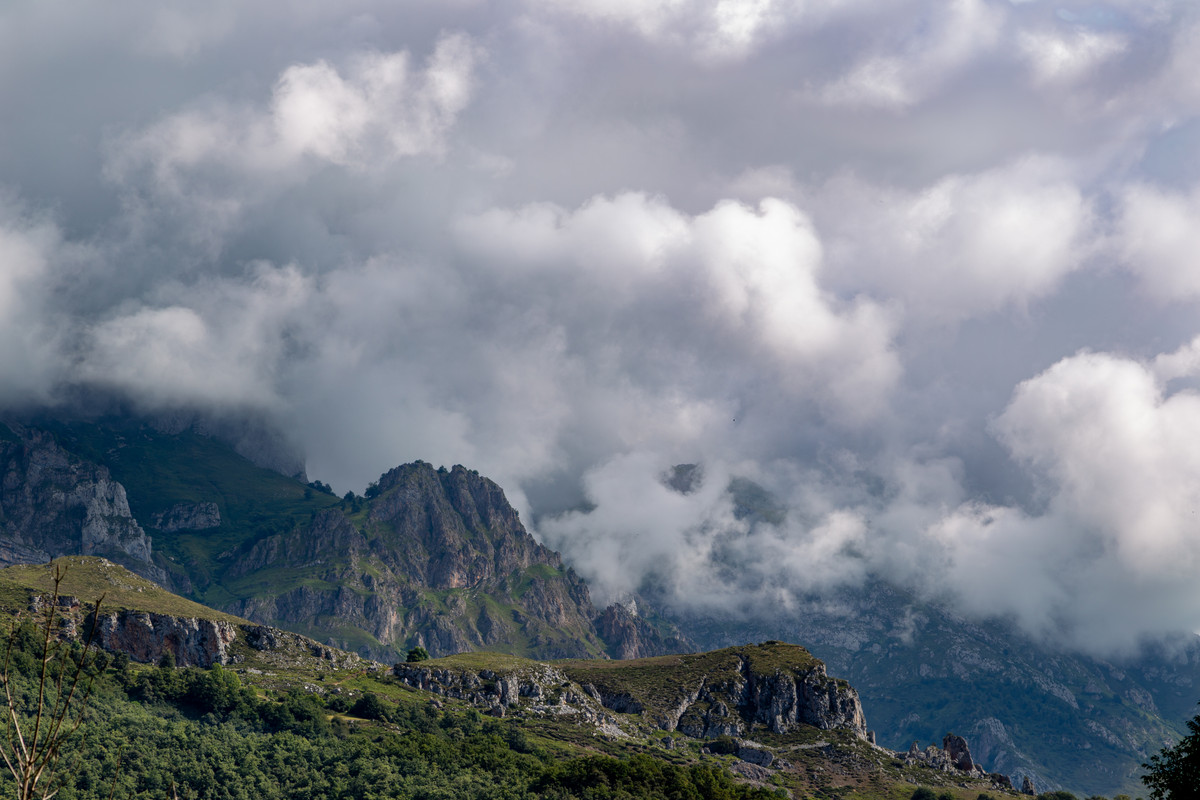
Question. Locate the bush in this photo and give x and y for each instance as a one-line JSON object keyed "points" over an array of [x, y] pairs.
{"points": [[417, 654], [370, 706]]}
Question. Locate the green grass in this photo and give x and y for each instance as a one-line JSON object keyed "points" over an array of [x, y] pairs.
{"points": [[88, 578]]}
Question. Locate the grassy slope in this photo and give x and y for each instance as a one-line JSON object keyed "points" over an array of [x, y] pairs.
{"points": [[88, 579]]}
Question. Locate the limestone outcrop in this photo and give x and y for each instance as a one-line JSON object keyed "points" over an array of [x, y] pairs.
{"points": [[412, 563], [53, 503], [193, 642], [702, 696]]}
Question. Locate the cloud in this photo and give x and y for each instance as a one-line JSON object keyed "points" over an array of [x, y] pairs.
{"points": [[907, 266], [966, 245], [946, 38], [1158, 239], [734, 279], [695, 548], [28, 340], [1111, 556], [712, 30], [214, 345], [1056, 58], [208, 167]]}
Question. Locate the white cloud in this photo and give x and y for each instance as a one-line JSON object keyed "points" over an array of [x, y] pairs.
{"points": [[28, 339], [748, 276], [711, 30], [1112, 558], [1056, 58], [966, 245], [216, 345], [1159, 241], [375, 110], [946, 39], [694, 547]]}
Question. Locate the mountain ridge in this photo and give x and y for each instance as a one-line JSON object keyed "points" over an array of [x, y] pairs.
{"points": [[436, 557]]}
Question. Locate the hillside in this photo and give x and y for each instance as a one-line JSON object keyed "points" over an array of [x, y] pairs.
{"points": [[284, 717]]}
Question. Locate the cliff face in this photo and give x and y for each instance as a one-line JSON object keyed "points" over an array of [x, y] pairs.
{"points": [[146, 637], [436, 558], [53, 503], [733, 692], [923, 670], [628, 634]]}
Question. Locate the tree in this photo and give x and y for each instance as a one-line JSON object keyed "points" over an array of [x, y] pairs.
{"points": [[1174, 773], [417, 654], [33, 741]]}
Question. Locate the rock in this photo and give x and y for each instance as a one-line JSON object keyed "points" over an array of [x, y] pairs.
{"points": [[146, 637], [953, 756], [188, 517], [755, 755], [629, 635], [960, 754], [53, 503], [751, 772], [447, 531], [1027, 786]]}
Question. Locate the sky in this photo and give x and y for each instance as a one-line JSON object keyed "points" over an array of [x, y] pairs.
{"points": [[928, 271]]}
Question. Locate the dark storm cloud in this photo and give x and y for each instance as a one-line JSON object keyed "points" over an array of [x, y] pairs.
{"points": [[855, 255]]}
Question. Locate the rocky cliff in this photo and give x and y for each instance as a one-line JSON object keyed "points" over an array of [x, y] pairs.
{"points": [[629, 634], [53, 503], [764, 704], [773, 686]]}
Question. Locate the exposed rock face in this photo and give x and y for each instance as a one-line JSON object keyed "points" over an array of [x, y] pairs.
{"points": [[783, 702], [188, 517], [716, 694], [629, 635], [960, 755], [53, 503], [413, 564], [146, 637]]}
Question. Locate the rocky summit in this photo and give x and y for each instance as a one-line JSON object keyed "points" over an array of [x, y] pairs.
{"points": [[433, 557], [429, 557]]}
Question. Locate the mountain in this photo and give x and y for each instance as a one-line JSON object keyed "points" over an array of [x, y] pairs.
{"points": [[437, 557], [429, 557]]}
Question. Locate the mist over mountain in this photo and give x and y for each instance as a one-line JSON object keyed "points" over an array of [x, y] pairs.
{"points": [[925, 274]]}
